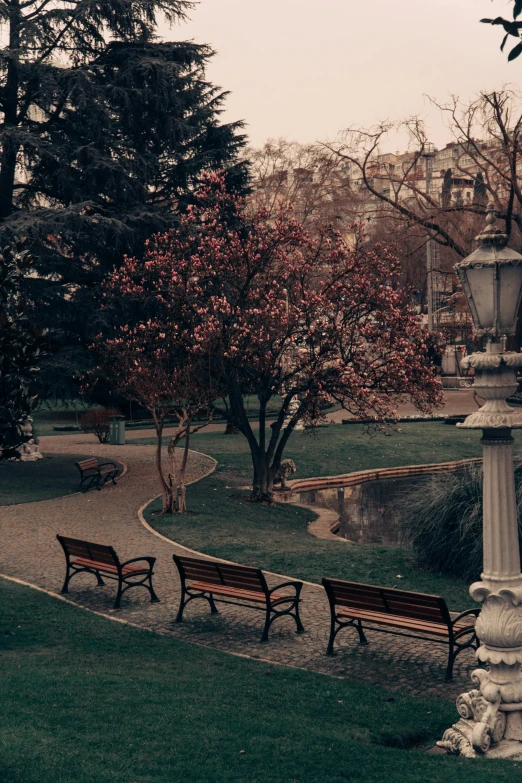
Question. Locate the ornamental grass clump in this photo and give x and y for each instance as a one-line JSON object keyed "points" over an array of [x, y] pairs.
{"points": [[442, 520]]}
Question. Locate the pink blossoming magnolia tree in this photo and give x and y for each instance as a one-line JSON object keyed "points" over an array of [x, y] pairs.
{"points": [[149, 363], [270, 311]]}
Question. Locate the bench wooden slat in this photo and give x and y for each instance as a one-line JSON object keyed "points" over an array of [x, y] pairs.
{"points": [[106, 568], [89, 557], [398, 598], [246, 584], [204, 568], [197, 561], [434, 615], [410, 595], [376, 603], [411, 613], [361, 587], [86, 464], [251, 595], [78, 551], [102, 554], [207, 577], [401, 622], [383, 597], [229, 570], [212, 579]]}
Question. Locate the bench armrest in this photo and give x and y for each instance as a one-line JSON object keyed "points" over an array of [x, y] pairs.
{"points": [[150, 561], [104, 464], [297, 585], [476, 612]]}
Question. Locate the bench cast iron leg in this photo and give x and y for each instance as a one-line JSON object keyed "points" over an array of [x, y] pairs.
{"points": [[451, 660], [213, 607], [153, 597], [98, 577], [264, 635], [119, 594], [65, 588], [362, 637], [300, 626], [329, 648], [179, 616]]}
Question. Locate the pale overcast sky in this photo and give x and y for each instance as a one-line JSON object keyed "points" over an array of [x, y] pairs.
{"points": [[304, 69]]}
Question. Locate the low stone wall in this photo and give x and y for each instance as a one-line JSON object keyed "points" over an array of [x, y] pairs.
{"points": [[360, 476]]}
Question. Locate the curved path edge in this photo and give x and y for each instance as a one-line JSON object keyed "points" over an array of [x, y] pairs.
{"points": [[178, 545], [30, 557], [121, 621]]}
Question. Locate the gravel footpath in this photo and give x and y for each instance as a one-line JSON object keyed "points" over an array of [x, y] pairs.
{"points": [[31, 553]]}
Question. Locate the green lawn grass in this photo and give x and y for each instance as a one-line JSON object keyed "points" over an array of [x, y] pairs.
{"points": [[45, 418], [51, 477], [338, 448], [222, 522], [84, 699]]}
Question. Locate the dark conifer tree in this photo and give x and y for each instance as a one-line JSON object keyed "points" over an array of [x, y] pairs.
{"points": [[480, 195], [447, 185], [19, 353], [103, 132]]}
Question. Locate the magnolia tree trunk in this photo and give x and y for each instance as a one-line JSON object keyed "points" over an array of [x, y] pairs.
{"points": [[172, 479], [167, 498], [262, 480], [176, 476], [172, 482], [266, 450]]}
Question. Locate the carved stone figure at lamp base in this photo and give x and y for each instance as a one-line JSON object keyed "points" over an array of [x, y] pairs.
{"points": [[491, 713]]}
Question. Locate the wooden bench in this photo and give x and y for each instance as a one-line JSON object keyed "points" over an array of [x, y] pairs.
{"points": [[236, 584], [96, 474], [404, 613], [86, 557]]}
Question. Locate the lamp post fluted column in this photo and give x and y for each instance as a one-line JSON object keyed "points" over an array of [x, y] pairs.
{"points": [[491, 713]]}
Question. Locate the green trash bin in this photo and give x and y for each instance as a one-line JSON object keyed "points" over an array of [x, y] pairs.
{"points": [[117, 431]]}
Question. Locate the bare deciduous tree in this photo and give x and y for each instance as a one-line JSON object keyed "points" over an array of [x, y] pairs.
{"points": [[486, 150], [306, 176]]}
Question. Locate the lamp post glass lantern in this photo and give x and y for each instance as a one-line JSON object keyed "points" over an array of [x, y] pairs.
{"points": [[491, 713], [491, 278]]}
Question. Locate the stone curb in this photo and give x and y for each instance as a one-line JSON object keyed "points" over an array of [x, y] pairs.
{"points": [[372, 474]]}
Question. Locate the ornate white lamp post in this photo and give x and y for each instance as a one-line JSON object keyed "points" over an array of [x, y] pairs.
{"points": [[491, 713]]}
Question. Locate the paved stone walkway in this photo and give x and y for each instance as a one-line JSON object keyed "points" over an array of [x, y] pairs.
{"points": [[30, 552]]}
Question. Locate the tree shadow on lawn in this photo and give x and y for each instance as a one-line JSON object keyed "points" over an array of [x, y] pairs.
{"points": [[51, 477]]}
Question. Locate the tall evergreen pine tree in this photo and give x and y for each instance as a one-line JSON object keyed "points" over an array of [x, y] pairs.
{"points": [[104, 131]]}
